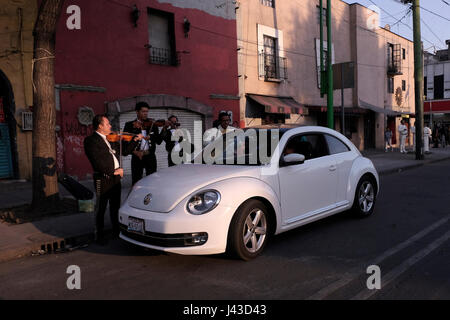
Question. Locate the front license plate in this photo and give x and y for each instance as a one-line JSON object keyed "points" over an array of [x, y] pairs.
{"points": [[135, 225]]}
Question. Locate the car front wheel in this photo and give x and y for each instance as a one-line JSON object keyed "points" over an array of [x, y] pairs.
{"points": [[249, 230]]}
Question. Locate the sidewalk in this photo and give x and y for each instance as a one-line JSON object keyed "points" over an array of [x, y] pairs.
{"points": [[69, 231]]}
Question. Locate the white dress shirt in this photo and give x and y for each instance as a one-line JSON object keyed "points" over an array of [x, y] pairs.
{"points": [[113, 153]]}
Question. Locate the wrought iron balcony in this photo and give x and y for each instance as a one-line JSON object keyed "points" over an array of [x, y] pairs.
{"points": [[394, 60], [272, 67], [164, 56]]}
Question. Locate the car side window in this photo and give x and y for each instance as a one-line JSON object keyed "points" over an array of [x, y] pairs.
{"points": [[335, 145], [310, 145]]}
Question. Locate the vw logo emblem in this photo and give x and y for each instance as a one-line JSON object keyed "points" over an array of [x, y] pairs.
{"points": [[147, 199]]}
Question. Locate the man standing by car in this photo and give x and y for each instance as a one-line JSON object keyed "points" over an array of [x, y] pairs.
{"points": [[103, 157], [143, 157], [223, 127]]}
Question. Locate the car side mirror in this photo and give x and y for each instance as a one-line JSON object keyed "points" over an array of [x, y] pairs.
{"points": [[292, 159]]}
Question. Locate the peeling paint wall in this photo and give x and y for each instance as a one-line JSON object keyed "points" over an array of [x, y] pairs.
{"points": [[219, 8]]}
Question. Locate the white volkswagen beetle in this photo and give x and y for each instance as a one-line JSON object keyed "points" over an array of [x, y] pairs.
{"points": [[236, 206]]}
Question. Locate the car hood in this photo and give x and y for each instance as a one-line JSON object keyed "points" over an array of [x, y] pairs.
{"points": [[169, 186]]}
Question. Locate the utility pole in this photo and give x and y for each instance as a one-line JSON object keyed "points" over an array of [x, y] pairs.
{"points": [[326, 76], [418, 77], [330, 111]]}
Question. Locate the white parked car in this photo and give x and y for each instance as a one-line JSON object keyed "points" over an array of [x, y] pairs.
{"points": [[200, 208]]}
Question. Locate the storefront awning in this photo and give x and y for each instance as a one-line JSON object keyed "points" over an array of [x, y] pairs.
{"points": [[285, 105], [377, 109]]}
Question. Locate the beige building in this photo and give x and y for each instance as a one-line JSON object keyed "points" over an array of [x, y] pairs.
{"points": [[17, 19], [279, 57]]}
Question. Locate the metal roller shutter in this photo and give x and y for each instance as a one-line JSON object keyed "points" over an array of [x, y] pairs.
{"points": [[186, 119]]}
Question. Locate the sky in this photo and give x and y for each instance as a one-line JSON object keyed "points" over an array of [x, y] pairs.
{"points": [[435, 30]]}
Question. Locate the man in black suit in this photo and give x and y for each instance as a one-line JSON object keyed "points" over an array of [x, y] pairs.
{"points": [[143, 156], [103, 157]]}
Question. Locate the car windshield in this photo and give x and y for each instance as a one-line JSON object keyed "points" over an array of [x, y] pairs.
{"points": [[242, 147]]}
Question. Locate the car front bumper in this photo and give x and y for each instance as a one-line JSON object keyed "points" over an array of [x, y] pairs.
{"points": [[179, 231]]}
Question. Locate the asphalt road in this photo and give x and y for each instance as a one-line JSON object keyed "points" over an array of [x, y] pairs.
{"points": [[407, 238]]}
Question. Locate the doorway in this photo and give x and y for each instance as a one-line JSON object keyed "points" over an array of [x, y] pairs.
{"points": [[7, 129]]}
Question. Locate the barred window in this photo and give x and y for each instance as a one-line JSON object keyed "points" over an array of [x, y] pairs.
{"points": [[269, 3]]}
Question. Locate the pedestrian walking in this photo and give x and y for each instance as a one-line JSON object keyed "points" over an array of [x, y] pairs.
{"points": [[403, 131], [413, 131], [387, 140]]}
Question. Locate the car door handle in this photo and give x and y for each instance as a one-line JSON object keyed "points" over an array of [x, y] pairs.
{"points": [[332, 168]]}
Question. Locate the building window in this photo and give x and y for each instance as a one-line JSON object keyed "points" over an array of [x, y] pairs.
{"points": [[425, 88], [394, 59], [324, 15], [325, 58], [268, 3], [404, 85], [161, 35], [272, 65], [390, 85], [404, 53], [439, 87]]}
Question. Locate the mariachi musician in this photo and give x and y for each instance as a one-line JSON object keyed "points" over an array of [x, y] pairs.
{"points": [[143, 157], [105, 158]]}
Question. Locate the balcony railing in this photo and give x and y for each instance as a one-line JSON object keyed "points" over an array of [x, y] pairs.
{"points": [[272, 67], [394, 60], [164, 56]]}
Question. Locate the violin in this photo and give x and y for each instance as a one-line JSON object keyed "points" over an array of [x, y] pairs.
{"points": [[148, 123], [116, 137]]}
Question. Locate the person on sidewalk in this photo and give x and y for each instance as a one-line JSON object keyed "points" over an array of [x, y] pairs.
{"points": [[426, 138], [387, 140], [144, 156], [103, 157], [402, 131], [442, 135], [413, 132]]}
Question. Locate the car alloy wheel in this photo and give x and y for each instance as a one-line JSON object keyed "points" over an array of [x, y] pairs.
{"points": [[248, 231], [255, 230], [365, 197]]}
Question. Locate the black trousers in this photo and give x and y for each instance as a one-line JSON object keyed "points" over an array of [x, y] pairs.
{"points": [[148, 163], [108, 190]]}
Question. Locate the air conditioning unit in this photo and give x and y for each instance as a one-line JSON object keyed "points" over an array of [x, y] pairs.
{"points": [[27, 121]]}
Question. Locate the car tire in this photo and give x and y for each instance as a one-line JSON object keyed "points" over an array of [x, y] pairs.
{"points": [[365, 197], [248, 233]]}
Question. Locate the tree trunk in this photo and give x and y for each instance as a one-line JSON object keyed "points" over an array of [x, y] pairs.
{"points": [[44, 179]]}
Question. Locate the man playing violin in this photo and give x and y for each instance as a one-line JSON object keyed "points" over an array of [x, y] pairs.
{"points": [[143, 156], [104, 158]]}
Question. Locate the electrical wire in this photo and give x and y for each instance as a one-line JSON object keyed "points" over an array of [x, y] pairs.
{"points": [[438, 15]]}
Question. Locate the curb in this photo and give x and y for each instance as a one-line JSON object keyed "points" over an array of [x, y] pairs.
{"points": [[412, 166], [56, 245]]}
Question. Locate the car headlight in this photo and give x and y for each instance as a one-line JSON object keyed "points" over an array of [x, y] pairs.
{"points": [[203, 202]]}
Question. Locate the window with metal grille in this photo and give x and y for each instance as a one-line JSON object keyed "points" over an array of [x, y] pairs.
{"points": [[272, 66], [162, 38], [269, 3], [394, 59], [324, 15]]}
